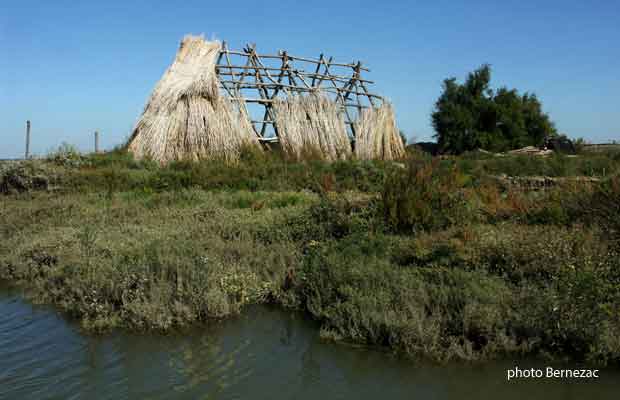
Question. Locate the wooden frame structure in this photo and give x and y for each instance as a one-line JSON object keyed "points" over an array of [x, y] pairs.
{"points": [[259, 79]]}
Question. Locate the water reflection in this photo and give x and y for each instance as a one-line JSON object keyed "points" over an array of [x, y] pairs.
{"points": [[263, 354]]}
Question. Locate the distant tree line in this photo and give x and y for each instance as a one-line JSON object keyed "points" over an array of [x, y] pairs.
{"points": [[472, 115]]}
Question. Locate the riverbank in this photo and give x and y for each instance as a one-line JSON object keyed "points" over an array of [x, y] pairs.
{"points": [[428, 258], [248, 356], [43, 355]]}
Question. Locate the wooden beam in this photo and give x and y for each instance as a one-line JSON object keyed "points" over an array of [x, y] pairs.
{"points": [[336, 77], [309, 60], [297, 71], [258, 85], [318, 67], [261, 89], [267, 101], [369, 95], [273, 122], [295, 58], [222, 53], [343, 100], [247, 67]]}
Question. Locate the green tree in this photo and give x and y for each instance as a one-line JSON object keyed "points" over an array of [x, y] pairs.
{"points": [[472, 115]]}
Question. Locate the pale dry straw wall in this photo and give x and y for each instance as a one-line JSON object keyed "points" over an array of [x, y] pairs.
{"points": [[377, 136], [185, 116], [311, 124]]}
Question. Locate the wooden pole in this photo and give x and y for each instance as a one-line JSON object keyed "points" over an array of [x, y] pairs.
{"points": [[96, 142], [267, 81], [27, 156], [318, 68]]}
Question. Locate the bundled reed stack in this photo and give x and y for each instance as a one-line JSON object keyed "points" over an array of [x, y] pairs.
{"points": [[185, 116], [311, 124], [377, 136]]}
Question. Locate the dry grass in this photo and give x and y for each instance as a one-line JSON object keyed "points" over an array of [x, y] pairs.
{"points": [[312, 123], [377, 136], [185, 117]]}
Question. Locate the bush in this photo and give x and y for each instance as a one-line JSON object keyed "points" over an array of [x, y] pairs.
{"points": [[598, 205], [19, 177], [425, 196], [436, 311]]}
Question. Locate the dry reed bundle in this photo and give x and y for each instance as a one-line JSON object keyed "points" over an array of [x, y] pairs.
{"points": [[377, 136], [185, 117], [311, 124]]}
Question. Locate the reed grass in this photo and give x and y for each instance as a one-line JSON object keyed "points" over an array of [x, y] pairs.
{"points": [[185, 116], [377, 136], [313, 122]]}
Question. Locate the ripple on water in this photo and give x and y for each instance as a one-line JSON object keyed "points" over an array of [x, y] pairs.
{"points": [[37, 352], [263, 354]]}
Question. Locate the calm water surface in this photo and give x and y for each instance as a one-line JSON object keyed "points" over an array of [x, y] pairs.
{"points": [[264, 354]]}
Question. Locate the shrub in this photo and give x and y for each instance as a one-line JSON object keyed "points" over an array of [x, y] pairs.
{"points": [[436, 311], [425, 196], [597, 205], [19, 177]]}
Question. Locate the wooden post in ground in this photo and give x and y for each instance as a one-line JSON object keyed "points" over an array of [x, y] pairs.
{"points": [[96, 142], [27, 155]]}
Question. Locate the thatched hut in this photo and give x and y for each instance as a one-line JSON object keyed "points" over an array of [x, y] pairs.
{"points": [[199, 109]]}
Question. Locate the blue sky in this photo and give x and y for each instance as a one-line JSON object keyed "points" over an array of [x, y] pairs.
{"points": [[73, 67]]}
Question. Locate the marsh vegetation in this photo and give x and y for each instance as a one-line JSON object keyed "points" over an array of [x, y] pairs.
{"points": [[429, 256]]}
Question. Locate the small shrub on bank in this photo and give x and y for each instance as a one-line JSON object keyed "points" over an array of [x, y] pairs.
{"points": [[425, 196], [598, 206], [66, 155]]}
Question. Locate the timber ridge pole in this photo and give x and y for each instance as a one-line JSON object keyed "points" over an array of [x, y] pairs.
{"points": [[267, 82]]}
